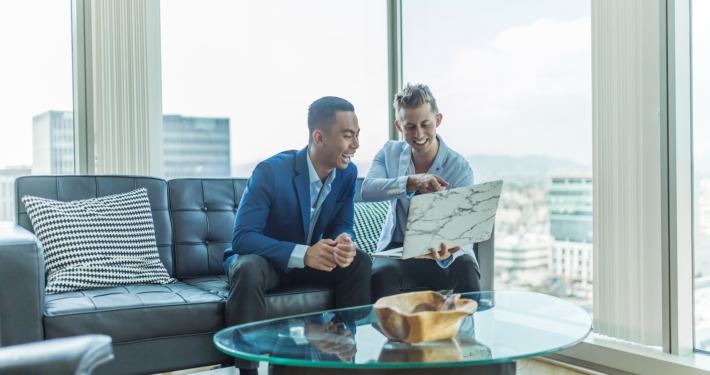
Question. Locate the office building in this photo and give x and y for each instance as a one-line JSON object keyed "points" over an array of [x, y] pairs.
{"points": [[7, 181], [522, 253], [570, 204], [53, 143], [192, 146]]}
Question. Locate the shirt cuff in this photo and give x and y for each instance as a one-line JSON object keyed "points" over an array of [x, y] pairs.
{"points": [[297, 255], [403, 186], [445, 263]]}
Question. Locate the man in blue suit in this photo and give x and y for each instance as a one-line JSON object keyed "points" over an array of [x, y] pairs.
{"points": [[294, 224], [420, 164]]}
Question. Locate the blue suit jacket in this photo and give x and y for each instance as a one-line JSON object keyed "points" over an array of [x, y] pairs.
{"points": [[274, 213]]}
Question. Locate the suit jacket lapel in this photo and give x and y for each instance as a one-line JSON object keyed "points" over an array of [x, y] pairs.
{"points": [[303, 188]]}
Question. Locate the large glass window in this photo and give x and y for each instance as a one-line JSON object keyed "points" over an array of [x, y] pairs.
{"points": [[513, 81], [35, 92], [238, 78], [701, 169]]}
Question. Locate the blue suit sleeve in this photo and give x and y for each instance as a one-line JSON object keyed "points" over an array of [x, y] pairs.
{"points": [[248, 235]]}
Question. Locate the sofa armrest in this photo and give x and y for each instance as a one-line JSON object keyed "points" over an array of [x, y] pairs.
{"points": [[21, 286], [69, 356]]}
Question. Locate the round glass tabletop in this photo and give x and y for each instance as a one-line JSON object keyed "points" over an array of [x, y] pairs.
{"points": [[508, 325]]}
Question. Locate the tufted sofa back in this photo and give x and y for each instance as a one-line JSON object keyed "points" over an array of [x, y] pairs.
{"points": [[203, 212], [193, 217]]}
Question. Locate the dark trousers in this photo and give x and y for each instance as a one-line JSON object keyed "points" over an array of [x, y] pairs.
{"points": [[251, 276], [390, 276]]}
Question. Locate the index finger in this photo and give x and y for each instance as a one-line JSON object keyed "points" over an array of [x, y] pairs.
{"points": [[441, 181]]}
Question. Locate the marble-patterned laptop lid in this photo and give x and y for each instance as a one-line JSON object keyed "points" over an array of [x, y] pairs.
{"points": [[457, 217]]}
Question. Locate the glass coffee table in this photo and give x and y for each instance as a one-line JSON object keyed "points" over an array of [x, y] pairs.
{"points": [[509, 325]]}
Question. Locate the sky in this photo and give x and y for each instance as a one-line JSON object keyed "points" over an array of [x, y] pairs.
{"points": [[511, 77]]}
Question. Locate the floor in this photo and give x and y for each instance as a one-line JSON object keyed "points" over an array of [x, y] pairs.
{"points": [[525, 367]]}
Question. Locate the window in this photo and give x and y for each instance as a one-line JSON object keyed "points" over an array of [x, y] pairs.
{"points": [[513, 81], [36, 92], [701, 169], [239, 76]]}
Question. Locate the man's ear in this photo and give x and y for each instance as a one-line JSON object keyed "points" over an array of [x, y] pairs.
{"points": [[317, 137], [439, 117], [398, 126]]}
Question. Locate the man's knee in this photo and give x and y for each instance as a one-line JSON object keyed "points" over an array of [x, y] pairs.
{"points": [[465, 274], [362, 261], [248, 269], [465, 263], [385, 270]]}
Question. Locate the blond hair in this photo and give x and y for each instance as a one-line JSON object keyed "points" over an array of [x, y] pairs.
{"points": [[414, 96]]}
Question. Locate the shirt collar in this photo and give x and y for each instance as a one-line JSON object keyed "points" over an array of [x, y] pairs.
{"points": [[441, 153], [313, 175]]}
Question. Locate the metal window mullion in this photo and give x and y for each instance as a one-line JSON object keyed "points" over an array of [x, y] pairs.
{"points": [[394, 60], [82, 80], [676, 178]]}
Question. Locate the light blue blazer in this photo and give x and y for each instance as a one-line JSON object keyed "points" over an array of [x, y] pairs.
{"points": [[387, 180]]}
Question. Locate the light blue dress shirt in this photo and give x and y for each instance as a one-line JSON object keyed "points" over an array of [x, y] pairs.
{"points": [[299, 251], [387, 180]]}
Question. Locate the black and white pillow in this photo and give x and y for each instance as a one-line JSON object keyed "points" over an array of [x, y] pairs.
{"points": [[96, 243], [369, 218]]}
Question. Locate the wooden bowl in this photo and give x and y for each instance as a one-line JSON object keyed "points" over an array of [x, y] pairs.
{"points": [[422, 316]]}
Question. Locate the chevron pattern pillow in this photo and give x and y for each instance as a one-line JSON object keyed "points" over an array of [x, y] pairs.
{"points": [[369, 218], [96, 243]]}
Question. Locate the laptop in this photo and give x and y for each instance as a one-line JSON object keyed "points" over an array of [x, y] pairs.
{"points": [[457, 217]]}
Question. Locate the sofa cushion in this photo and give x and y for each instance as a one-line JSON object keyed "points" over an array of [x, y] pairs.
{"points": [[98, 242], [369, 217], [283, 301], [134, 312]]}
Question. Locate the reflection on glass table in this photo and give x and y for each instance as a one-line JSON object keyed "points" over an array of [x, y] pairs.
{"points": [[509, 325]]}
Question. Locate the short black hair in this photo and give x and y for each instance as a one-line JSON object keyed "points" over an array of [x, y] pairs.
{"points": [[322, 112]]}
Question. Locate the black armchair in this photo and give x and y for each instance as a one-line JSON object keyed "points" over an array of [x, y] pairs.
{"points": [[77, 355]]}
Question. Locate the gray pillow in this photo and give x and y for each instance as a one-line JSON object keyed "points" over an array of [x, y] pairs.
{"points": [[96, 243]]}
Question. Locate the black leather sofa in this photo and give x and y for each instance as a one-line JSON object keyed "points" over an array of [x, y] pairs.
{"points": [[154, 328]]}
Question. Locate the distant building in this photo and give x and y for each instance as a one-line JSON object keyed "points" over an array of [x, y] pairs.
{"points": [[522, 253], [192, 146], [196, 146], [570, 203], [53, 143], [7, 190], [522, 242]]}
